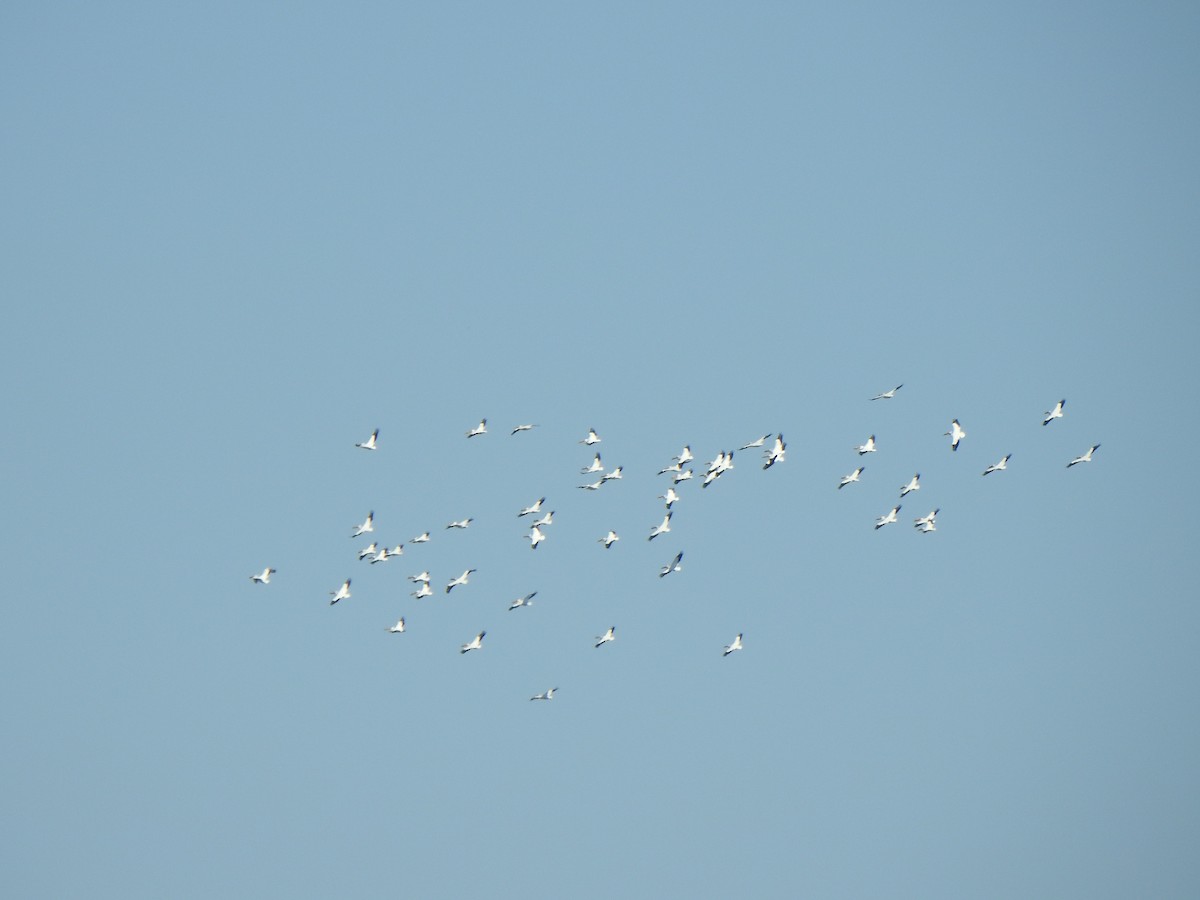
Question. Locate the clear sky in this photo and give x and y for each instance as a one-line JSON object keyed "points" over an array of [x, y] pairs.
{"points": [[238, 237]]}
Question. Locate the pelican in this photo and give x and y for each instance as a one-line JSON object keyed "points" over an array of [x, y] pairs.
{"points": [[527, 600], [479, 429], [609, 539], [369, 443], [263, 577], [662, 527], [888, 519], [998, 467], [682, 476], [535, 537], [888, 395], [615, 474], [547, 519], [669, 497], [956, 434], [592, 437], [927, 519], [596, 466], [420, 538], [521, 428], [868, 447], [594, 486], [1087, 457], [342, 593], [927, 527], [758, 442], [475, 643], [673, 467], [851, 478], [370, 550], [424, 591], [914, 484], [398, 628], [675, 565], [381, 556], [776, 453], [1055, 413], [461, 579], [685, 456], [548, 695], [609, 635], [530, 510], [398, 550], [736, 645], [461, 523], [366, 526], [423, 577]]}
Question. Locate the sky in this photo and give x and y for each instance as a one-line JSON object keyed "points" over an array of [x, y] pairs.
{"points": [[239, 237]]}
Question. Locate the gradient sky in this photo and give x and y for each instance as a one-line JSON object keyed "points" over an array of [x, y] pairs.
{"points": [[237, 238]]}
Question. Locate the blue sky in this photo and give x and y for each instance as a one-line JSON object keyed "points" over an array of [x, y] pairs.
{"points": [[237, 239]]}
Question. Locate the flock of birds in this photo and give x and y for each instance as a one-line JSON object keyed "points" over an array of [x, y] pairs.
{"points": [[680, 470]]}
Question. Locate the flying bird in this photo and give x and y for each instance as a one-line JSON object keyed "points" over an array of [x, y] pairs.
{"points": [[366, 526], [888, 395], [758, 442], [547, 519], [369, 443], [927, 527], [736, 645], [662, 527], [521, 428], [1056, 413], [868, 447], [1087, 457], [998, 467], [669, 497], [888, 519], [673, 467], [535, 537], [675, 565], [926, 519], [420, 576], [609, 635], [614, 474], [914, 484], [474, 644], [956, 434], [398, 628], [596, 466], [424, 591], [461, 579], [479, 429], [462, 523], [548, 695], [381, 556], [609, 539], [685, 456], [420, 538], [342, 593], [851, 478], [592, 437], [776, 453], [370, 550], [594, 486], [527, 600], [263, 577], [682, 476], [530, 510]]}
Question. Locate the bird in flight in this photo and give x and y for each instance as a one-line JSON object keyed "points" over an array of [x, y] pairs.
{"points": [[535, 537], [370, 550], [614, 475], [521, 428], [342, 593], [926, 519], [398, 628], [367, 525], [776, 453], [423, 591], [369, 443], [1087, 457], [669, 497], [263, 577], [914, 484], [1056, 413], [682, 476], [998, 467], [675, 565], [851, 478], [596, 466], [757, 442], [662, 527], [527, 600], [547, 519], [479, 429], [462, 523], [531, 510], [461, 579], [594, 486], [381, 556], [888, 519], [888, 395], [592, 437], [736, 645], [420, 538], [610, 635], [609, 539], [685, 456], [474, 644], [548, 695], [956, 434], [867, 447]]}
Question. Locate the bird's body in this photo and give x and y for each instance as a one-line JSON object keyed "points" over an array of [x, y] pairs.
{"points": [[669, 497], [479, 429], [420, 576], [425, 590], [998, 467], [675, 565], [461, 523], [527, 600], [609, 539], [263, 577], [926, 519], [592, 437], [398, 628], [474, 644], [1056, 413], [662, 527], [914, 484], [757, 442], [548, 695], [682, 476], [594, 486], [420, 538], [370, 443], [956, 434], [532, 510], [851, 478], [521, 428], [614, 475], [535, 537], [366, 527], [461, 579], [1087, 457], [868, 446], [888, 395], [370, 550], [734, 647], [610, 635], [887, 519], [595, 466], [342, 593], [547, 519], [775, 453]]}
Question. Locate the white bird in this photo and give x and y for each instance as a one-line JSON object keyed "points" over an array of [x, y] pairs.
{"points": [[462, 523], [675, 565], [423, 591], [594, 486], [530, 510], [888, 395], [527, 600], [535, 537], [461, 579], [398, 550], [755, 443], [609, 539], [370, 550], [369, 443], [592, 437], [547, 519], [1056, 413], [381, 556], [685, 456], [521, 428], [673, 467], [867, 447], [956, 434], [927, 527], [682, 476], [776, 453], [718, 467], [736, 645], [342, 593], [926, 519], [1087, 457], [263, 577], [669, 497], [662, 527], [548, 695], [998, 467], [366, 526], [474, 644], [595, 466], [851, 478], [479, 429], [614, 474], [420, 538], [914, 484], [889, 518], [610, 635], [422, 577], [398, 628]]}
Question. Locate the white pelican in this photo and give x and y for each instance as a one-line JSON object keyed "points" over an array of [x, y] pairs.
{"points": [[1087, 457], [527, 600], [461, 523], [669, 497], [685, 456], [851, 478], [998, 467], [889, 518], [927, 527], [956, 434], [535, 537], [1055, 413], [758, 442], [461, 579], [420, 538], [595, 466], [662, 527], [479, 429], [381, 556], [675, 565], [424, 591], [521, 428], [370, 550], [263, 577], [682, 476], [530, 510], [594, 486], [914, 484], [548, 695], [610, 635], [927, 519], [398, 628], [342, 593], [613, 475], [736, 645], [868, 447], [888, 395], [609, 539], [475, 643], [423, 577], [673, 467], [776, 453], [369, 443], [366, 526], [592, 437], [547, 519]]}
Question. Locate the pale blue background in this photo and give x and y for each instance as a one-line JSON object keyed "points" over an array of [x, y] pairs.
{"points": [[237, 237]]}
